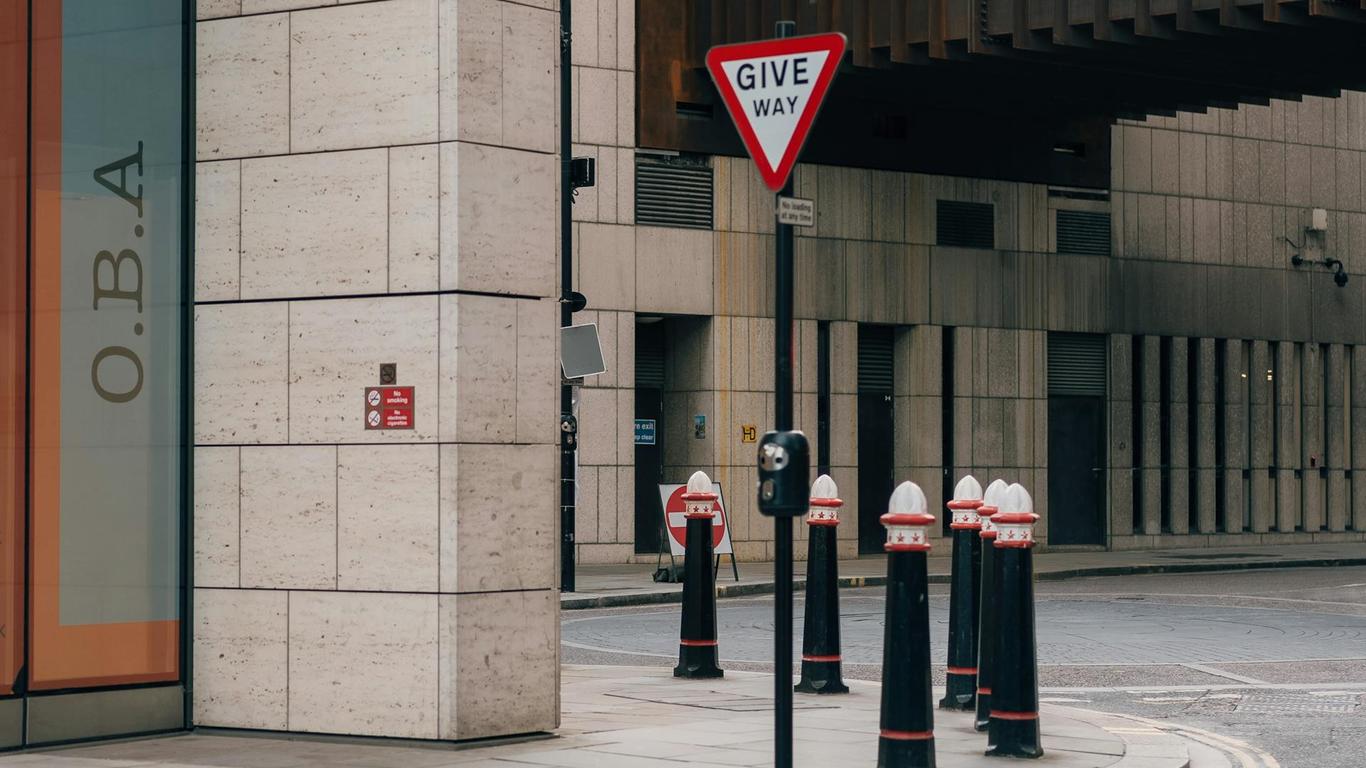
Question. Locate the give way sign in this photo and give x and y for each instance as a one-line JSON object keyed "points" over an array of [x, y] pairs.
{"points": [[671, 500], [773, 89]]}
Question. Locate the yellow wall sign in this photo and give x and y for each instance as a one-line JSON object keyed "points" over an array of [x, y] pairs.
{"points": [[749, 433]]}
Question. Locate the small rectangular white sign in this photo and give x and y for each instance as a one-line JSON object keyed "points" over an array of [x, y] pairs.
{"points": [[797, 211]]}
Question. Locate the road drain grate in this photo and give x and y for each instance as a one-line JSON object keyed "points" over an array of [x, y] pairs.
{"points": [[1298, 704]]}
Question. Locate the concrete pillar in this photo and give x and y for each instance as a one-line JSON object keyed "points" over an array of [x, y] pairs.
{"points": [[1357, 388], [1152, 435], [1335, 451], [1260, 438], [919, 444], [1178, 435], [1236, 458], [1202, 411], [1312, 481], [1289, 512], [1121, 449]]}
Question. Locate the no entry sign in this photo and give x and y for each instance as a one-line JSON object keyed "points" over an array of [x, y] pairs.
{"points": [[773, 89], [671, 499]]}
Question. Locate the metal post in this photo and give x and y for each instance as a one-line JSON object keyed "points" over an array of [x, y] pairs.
{"points": [[1013, 729], [964, 600], [906, 721], [568, 435], [697, 650], [989, 604], [782, 421]]}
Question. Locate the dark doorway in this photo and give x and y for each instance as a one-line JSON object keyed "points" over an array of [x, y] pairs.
{"points": [[649, 458], [875, 438], [1076, 471], [1076, 438]]}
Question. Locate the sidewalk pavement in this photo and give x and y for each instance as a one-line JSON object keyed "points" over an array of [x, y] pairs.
{"points": [[625, 717], [607, 586]]}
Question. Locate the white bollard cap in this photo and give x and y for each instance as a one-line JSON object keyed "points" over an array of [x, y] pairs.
{"points": [[907, 520], [1015, 522], [825, 502], [967, 497], [699, 499], [991, 504]]}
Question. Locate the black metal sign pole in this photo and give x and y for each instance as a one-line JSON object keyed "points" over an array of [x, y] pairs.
{"points": [[782, 421]]}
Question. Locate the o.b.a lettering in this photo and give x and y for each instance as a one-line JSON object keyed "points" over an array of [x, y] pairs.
{"points": [[119, 279]]}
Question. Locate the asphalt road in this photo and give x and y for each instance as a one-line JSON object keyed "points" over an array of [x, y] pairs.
{"points": [[1274, 660]]}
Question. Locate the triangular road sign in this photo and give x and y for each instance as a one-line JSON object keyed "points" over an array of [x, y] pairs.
{"points": [[773, 89]]}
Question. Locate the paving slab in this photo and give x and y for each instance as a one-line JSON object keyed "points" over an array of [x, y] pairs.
{"points": [[642, 717], [608, 586]]}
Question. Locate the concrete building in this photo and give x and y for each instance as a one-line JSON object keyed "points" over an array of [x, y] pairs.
{"points": [[1104, 311]]}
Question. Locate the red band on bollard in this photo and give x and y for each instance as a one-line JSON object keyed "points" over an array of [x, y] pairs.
{"points": [[806, 657], [697, 643], [907, 735], [1014, 715], [961, 670], [984, 690]]}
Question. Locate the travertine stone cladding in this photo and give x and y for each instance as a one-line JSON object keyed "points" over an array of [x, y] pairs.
{"points": [[377, 184]]}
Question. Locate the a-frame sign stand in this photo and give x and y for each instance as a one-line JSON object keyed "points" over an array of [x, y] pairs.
{"points": [[774, 89]]}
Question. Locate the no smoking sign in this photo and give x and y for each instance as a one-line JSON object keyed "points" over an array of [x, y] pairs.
{"points": [[389, 408]]}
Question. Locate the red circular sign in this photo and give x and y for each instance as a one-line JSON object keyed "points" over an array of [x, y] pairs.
{"points": [[678, 525]]}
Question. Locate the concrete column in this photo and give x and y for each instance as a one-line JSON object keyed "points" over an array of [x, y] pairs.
{"points": [[1178, 434], [1289, 512], [1236, 456], [1260, 438], [1335, 451], [1203, 423], [919, 358], [1311, 457], [1152, 435], [1121, 447], [1357, 388]]}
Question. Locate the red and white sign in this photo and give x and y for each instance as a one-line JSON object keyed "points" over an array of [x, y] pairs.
{"points": [[389, 408], [671, 498], [773, 89]]}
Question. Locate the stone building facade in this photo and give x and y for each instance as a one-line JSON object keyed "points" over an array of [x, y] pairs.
{"points": [[1225, 411], [376, 184]]}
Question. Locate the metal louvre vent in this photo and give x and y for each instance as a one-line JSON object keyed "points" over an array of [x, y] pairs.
{"points": [[1076, 364], [966, 225], [1084, 232], [650, 355], [673, 193], [875, 367]]}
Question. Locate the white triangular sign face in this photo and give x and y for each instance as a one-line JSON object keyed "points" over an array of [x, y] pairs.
{"points": [[773, 90]]}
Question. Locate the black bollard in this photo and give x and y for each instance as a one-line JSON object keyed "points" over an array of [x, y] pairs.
{"points": [[697, 640], [960, 681], [1014, 728], [988, 603], [821, 629], [907, 735]]}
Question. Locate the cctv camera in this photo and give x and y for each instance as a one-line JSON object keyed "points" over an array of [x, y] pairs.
{"points": [[1340, 278]]}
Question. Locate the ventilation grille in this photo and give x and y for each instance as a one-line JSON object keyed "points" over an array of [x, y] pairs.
{"points": [[966, 225], [673, 194], [650, 355], [1084, 232], [875, 359], [1076, 364]]}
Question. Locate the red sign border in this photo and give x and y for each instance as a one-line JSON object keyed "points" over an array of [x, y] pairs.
{"points": [[832, 42]]}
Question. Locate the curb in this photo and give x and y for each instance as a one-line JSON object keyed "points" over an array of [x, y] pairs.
{"points": [[854, 582]]}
